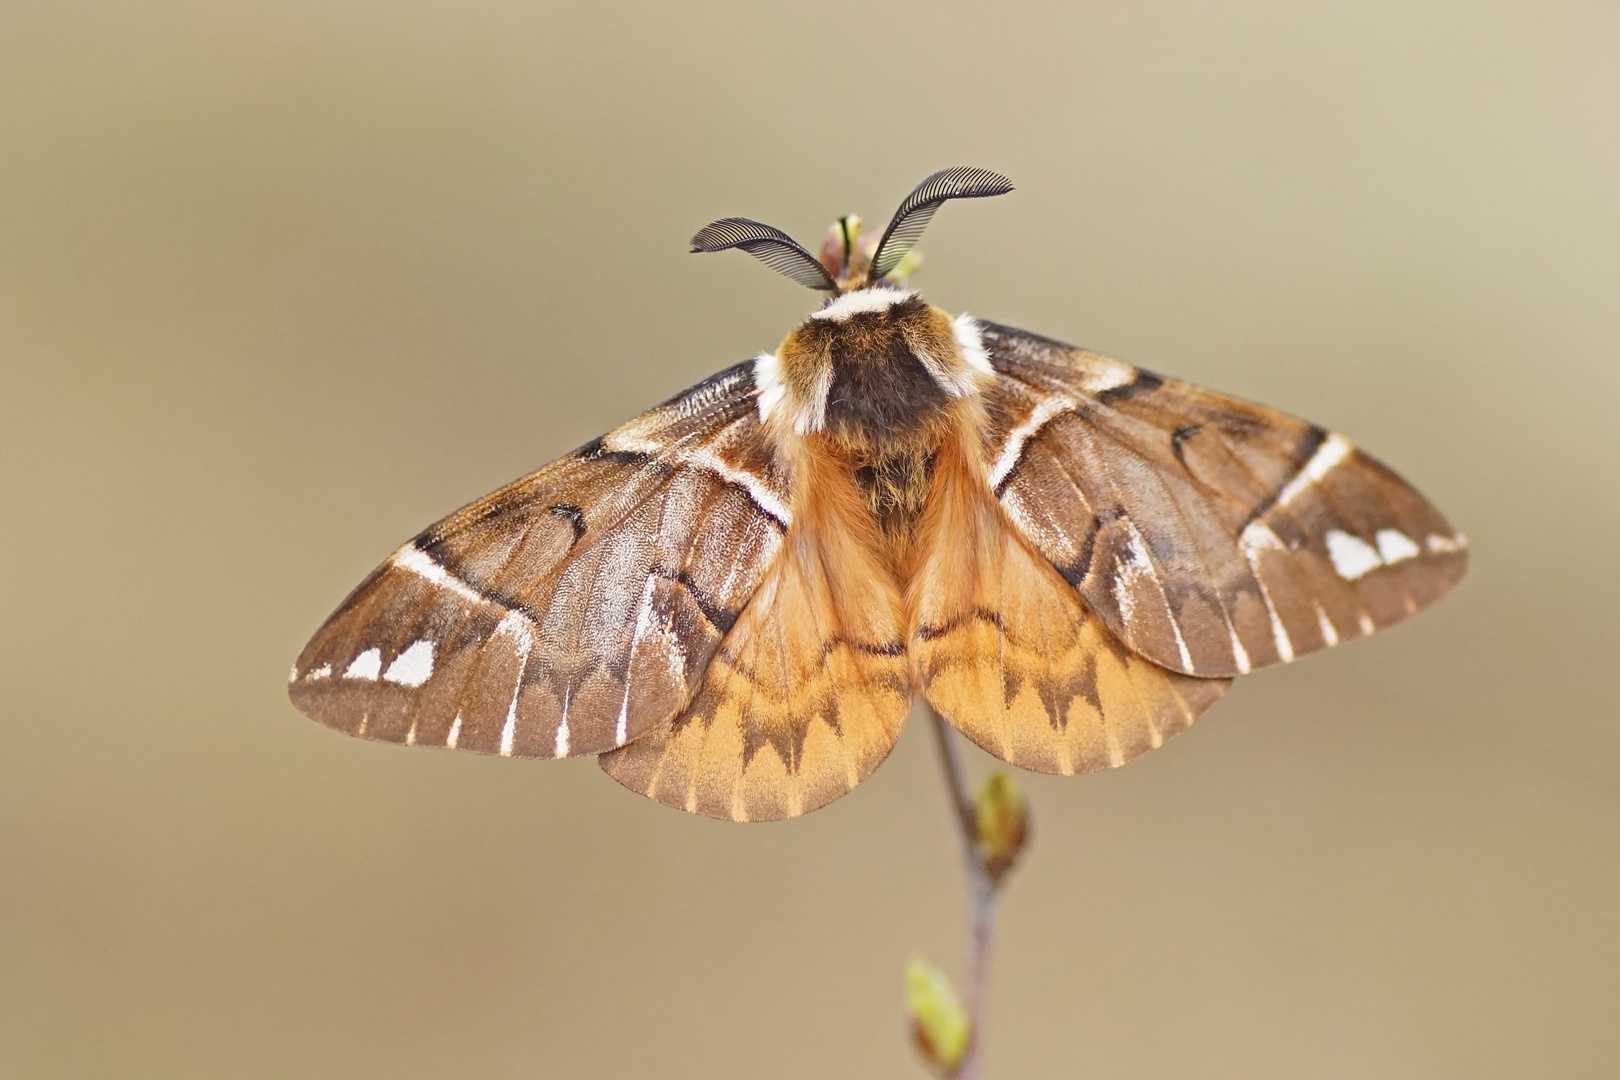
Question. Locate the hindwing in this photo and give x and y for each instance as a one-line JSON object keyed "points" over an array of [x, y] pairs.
{"points": [[1211, 535], [807, 693], [1012, 656], [574, 610]]}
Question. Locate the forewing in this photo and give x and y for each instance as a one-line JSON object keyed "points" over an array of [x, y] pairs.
{"points": [[805, 696], [1010, 654], [573, 610], [1213, 536]]}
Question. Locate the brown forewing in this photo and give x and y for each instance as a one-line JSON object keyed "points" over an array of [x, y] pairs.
{"points": [[807, 693], [1009, 653], [1213, 536], [573, 610]]}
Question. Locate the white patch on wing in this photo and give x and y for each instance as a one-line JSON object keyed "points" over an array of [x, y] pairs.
{"points": [[1240, 655], [322, 672], [1130, 571], [368, 665], [971, 342], [1279, 632], [1123, 599], [643, 625], [1334, 449], [768, 380], [509, 729], [1257, 538], [1364, 621], [515, 624], [762, 495], [412, 558], [1134, 569], [1394, 546], [1181, 645], [1445, 545], [455, 732], [1352, 556], [1105, 373], [708, 460], [413, 667], [862, 302], [1014, 450], [562, 739], [1329, 633]]}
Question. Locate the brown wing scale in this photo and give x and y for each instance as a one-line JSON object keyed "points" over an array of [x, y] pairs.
{"points": [[573, 610], [1213, 536]]}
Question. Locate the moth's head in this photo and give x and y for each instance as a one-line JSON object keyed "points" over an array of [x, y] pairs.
{"points": [[848, 257], [850, 262], [875, 359]]}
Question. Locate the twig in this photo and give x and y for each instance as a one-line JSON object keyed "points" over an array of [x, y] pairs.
{"points": [[982, 892]]}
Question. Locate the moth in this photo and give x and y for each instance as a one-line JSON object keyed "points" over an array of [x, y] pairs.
{"points": [[733, 599]]}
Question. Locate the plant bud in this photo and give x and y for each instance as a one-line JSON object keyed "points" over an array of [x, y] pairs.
{"points": [[1002, 817], [939, 1022]]}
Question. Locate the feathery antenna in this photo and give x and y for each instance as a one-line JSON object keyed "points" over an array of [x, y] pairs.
{"points": [[773, 247], [908, 223]]}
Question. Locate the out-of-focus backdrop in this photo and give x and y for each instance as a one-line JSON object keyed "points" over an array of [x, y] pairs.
{"points": [[281, 282]]}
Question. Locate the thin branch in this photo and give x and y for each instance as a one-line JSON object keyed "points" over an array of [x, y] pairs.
{"points": [[981, 897], [955, 783]]}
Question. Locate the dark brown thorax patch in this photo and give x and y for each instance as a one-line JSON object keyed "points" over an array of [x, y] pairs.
{"points": [[879, 393]]}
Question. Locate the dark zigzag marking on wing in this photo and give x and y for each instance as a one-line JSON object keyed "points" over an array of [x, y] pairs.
{"points": [[430, 539], [717, 616], [1313, 442]]}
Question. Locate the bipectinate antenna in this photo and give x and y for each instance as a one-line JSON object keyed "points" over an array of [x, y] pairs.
{"points": [[908, 223], [773, 247]]}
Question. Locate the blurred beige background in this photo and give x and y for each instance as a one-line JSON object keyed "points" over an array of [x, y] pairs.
{"points": [[282, 282]]}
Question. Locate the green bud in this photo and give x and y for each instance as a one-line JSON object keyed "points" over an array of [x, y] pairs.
{"points": [[939, 1021], [1002, 816], [909, 264]]}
